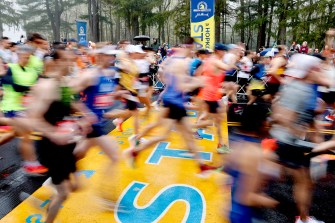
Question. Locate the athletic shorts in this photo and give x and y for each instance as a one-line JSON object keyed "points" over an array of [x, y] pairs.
{"points": [[97, 131], [328, 97], [230, 78], [60, 160], [213, 106], [130, 104], [175, 111], [292, 156], [13, 114], [272, 88]]}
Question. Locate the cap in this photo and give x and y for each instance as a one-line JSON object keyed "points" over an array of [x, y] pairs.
{"points": [[202, 51], [107, 50], [300, 65], [134, 49], [220, 46]]}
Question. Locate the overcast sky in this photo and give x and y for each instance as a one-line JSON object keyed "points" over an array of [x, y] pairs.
{"points": [[13, 33]]}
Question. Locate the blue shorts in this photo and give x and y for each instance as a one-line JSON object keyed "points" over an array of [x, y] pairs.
{"points": [[13, 114]]}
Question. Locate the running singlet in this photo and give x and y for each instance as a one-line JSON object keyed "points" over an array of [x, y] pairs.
{"points": [[13, 100], [128, 80], [213, 81], [239, 213], [98, 97], [172, 95]]}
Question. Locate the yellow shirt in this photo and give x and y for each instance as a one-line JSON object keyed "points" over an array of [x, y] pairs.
{"points": [[128, 79]]}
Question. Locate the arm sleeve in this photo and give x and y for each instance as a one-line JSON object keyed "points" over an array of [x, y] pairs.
{"points": [[8, 79]]}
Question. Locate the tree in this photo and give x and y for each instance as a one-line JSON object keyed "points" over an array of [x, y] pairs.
{"points": [[8, 15], [41, 15], [182, 19]]}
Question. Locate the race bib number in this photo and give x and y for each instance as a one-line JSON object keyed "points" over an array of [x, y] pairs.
{"points": [[103, 101]]}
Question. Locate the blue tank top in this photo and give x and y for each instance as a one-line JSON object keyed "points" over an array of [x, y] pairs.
{"points": [[172, 94], [239, 213], [98, 97]]}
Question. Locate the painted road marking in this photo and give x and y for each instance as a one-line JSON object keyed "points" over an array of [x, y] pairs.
{"points": [[163, 188]]}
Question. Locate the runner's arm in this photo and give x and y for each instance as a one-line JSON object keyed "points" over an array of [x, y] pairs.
{"points": [[83, 81], [222, 66]]}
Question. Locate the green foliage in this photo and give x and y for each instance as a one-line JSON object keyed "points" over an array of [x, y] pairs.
{"points": [[36, 17], [8, 14]]}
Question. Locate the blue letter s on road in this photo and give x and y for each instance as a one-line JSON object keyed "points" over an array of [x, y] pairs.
{"points": [[160, 204]]}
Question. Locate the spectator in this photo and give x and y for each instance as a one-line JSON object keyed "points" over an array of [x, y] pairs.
{"points": [[304, 48], [316, 50], [155, 45], [293, 46], [13, 47], [22, 39], [5, 53]]}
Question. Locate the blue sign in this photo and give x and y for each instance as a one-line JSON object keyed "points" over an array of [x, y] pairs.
{"points": [[81, 30]]}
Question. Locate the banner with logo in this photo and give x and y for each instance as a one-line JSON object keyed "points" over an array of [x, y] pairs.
{"points": [[203, 23], [81, 30]]}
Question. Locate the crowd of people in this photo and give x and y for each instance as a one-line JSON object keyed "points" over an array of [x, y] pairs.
{"points": [[285, 91]]}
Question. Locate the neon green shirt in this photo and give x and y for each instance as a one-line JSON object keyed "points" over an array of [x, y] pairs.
{"points": [[12, 100]]}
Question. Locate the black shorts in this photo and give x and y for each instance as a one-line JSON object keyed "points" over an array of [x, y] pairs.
{"points": [[213, 106], [131, 105], [230, 78], [97, 131], [60, 160], [195, 92], [328, 97], [292, 156], [272, 88], [175, 111]]}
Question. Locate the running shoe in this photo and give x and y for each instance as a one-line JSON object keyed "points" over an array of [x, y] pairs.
{"points": [[134, 142], [130, 157], [35, 169], [197, 135], [309, 220], [205, 170], [223, 149], [330, 118], [118, 124]]}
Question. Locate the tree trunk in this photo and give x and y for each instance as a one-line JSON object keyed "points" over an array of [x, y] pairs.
{"points": [[282, 22], [118, 29], [111, 25], [90, 20], [57, 17], [242, 21], [270, 23], [95, 21], [218, 10], [263, 13], [135, 27]]}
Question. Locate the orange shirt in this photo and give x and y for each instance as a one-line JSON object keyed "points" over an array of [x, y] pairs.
{"points": [[213, 81]]}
